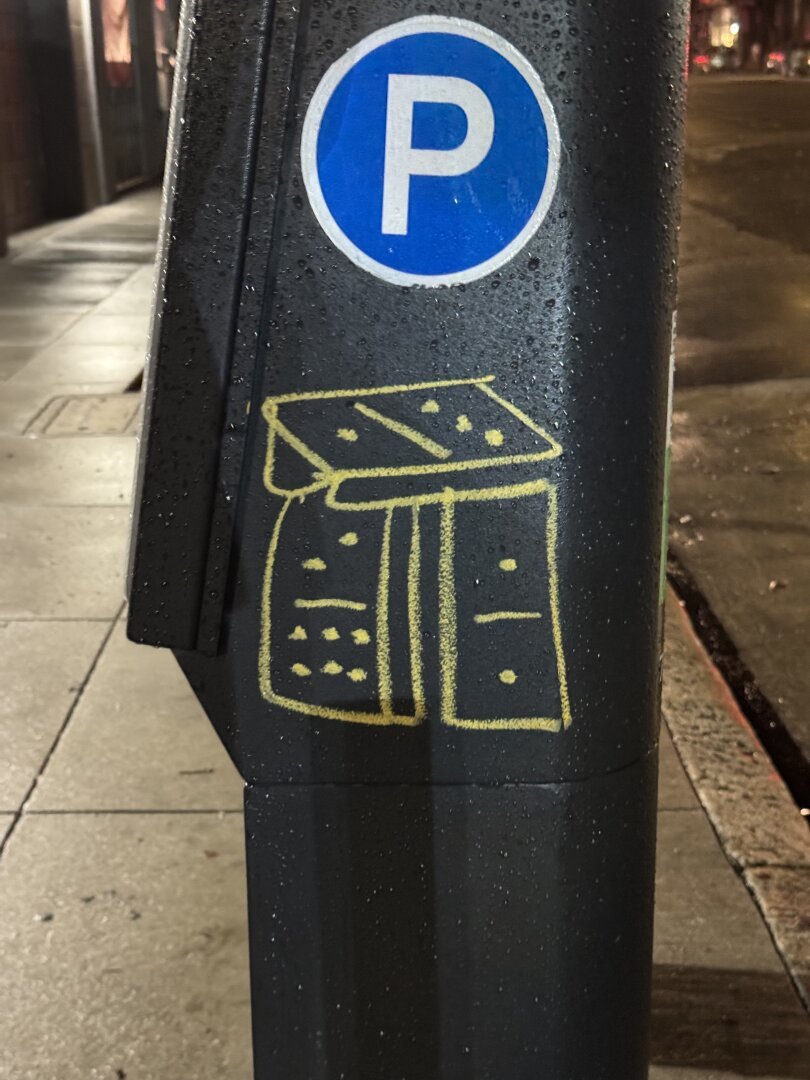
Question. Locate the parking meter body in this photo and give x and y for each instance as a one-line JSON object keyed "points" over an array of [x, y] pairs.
{"points": [[399, 513]]}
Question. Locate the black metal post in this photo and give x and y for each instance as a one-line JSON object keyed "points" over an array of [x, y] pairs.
{"points": [[408, 400]]}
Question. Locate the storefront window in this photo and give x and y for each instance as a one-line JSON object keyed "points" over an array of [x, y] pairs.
{"points": [[165, 24], [117, 42]]}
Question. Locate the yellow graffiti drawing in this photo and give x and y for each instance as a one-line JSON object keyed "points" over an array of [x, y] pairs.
{"points": [[496, 616], [414, 462]]}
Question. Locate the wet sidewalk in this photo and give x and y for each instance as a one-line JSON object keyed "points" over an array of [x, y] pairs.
{"points": [[122, 903], [741, 432]]}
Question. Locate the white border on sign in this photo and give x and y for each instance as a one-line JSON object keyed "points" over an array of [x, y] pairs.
{"points": [[322, 96]]}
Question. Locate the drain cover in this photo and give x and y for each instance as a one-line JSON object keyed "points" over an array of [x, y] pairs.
{"points": [[88, 414]]}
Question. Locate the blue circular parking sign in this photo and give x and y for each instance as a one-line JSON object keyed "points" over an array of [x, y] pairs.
{"points": [[430, 152]]}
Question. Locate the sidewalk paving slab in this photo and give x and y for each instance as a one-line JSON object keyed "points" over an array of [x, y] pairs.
{"points": [[46, 471], [26, 282], [124, 945], [96, 329], [37, 325], [723, 1008], [674, 790], [88, 414], [22, 401], [62, 562], [62, 363], [133, 297], [42, 666], [13, 358], [139, 740], [6, 821], [704, 913]]}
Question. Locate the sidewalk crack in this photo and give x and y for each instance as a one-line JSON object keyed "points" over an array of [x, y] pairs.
{"points": [[20, 812]]}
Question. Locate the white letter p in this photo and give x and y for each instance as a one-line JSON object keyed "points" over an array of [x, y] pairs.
{"points": [[402, 161]]}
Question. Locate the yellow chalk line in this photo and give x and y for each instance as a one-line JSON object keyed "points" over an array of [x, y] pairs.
{"points": [[352, 605], [383, 642], [406, 432], [415, 615], [497, 616], [521, 416], [317, 395]]}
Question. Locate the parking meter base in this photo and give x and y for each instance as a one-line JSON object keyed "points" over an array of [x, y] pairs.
{"points": [[452, 932]]}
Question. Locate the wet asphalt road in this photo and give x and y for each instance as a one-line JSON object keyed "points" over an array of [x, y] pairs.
{"points": [[739, 519], [745, 252], [749, 155]]}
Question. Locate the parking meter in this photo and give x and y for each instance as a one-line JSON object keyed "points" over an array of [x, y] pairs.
{"points": [[399, 512]]}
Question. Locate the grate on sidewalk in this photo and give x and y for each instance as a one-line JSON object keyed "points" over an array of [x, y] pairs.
{"points": [[88, 414]]}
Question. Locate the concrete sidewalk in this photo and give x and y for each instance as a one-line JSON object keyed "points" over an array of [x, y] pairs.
{"points": [[122, 906]]}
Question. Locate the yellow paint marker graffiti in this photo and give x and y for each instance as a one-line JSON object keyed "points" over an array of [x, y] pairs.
{"points": [[307, 708], [442, 483], [415, 615], [383, 643], [501, 616], [374, 391], [351, 605], [407, 432]]}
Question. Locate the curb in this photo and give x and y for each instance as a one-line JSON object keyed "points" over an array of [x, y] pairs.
{"points": [[757, 823]]}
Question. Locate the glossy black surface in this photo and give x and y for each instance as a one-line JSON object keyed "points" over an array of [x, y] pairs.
{"points": [[461, 933], [576, 333], [427, 899]]}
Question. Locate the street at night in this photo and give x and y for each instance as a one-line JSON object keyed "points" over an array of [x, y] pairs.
{"points": [[405, 540]]}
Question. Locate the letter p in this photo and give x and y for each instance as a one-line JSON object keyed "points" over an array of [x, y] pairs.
{"points": [[402, 160]]}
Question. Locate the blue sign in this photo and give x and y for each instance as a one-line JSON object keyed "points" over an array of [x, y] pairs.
{"points": [[430, 152]]}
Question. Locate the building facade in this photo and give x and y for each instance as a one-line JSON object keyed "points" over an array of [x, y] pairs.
{"points": [[85, 87], [751, 29]]}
